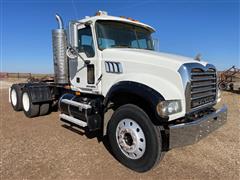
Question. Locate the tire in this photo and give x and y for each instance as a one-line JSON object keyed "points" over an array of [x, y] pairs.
{"points": [[16, 97], [130, 127], [231, 87], [222, 86], [30, 109], [44, 109]]}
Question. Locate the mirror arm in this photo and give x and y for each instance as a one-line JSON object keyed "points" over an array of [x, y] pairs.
{"points": [[85, 61]]}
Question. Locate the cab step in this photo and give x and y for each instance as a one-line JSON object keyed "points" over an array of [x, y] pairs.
{"points": [[72, 120], [76, 104]]}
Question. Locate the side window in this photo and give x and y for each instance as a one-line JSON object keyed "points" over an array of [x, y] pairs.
{"points": [[105, 43], [85, 41], [134, 44], [142, 43]]}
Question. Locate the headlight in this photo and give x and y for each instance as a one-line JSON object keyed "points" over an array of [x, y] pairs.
{"points": [[165, 108]]}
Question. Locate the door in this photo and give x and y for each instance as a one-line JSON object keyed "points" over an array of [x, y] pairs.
{"points": [[84, 76]]}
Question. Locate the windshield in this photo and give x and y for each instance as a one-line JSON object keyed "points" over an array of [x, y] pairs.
{"points": [[113, 34]]}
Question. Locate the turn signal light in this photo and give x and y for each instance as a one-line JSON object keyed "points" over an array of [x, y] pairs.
{"points": [[77, 93], [67, 87]]}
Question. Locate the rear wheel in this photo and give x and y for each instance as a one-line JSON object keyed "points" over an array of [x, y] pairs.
{"points": [[15, 97], [135, 141], [30, 109], [44, 109]]}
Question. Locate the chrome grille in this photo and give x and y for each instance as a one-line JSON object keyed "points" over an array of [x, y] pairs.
{"points": [[203, 87]]}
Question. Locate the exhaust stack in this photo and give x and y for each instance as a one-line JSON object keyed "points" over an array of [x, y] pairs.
{"points": [[60, 21], [59, 44]]}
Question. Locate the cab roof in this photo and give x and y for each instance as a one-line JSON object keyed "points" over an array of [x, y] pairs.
{"points": [[102, 15]]}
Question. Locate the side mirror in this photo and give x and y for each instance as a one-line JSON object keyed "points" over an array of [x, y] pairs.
{"points": [[73, 34], [74, 26], [71, 53]]}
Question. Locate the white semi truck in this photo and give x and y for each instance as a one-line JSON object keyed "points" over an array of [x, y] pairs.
{"points": [[105, 64]]}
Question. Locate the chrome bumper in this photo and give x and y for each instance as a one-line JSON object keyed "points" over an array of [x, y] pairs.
{"points": [[190, 133]]}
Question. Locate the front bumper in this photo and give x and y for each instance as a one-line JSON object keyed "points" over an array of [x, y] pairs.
{"points": [[190, 133]]}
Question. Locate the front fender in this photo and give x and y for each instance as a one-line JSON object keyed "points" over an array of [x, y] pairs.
{"points": [[169, 89]]}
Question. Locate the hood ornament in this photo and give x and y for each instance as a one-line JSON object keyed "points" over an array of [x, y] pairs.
{"points": [[198, 57]]}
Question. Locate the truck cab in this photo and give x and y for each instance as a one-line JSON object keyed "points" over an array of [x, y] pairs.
{"points": [[95, 38], [109, 78]]}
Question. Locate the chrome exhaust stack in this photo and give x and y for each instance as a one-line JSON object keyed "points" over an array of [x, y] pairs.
{"points": [[59, 44], [60, 21]]}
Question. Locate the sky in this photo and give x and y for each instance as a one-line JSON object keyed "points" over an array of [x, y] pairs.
{"points": [[208, 27]]}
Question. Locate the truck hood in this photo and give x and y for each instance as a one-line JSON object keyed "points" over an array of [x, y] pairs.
{"points": [[147, 57], [159, 71]]}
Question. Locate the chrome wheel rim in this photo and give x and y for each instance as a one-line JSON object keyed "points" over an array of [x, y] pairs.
{"points": [[26, 101], [14, 97], [130, 138]]}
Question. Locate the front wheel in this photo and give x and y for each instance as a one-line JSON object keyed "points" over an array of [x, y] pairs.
{"points": [[135, 141]]}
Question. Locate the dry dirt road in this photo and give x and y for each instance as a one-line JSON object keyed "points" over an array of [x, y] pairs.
{"points": [[41, 148]]}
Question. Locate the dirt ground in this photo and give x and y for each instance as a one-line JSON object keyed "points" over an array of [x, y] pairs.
{"points": [[42, 148]]}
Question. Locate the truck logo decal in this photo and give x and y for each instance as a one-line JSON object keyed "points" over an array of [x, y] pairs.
{"points": [[113, 67]]}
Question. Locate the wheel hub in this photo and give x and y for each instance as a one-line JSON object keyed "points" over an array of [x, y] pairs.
{"points": [[26, 101], [14, 97], [130, 138]]}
